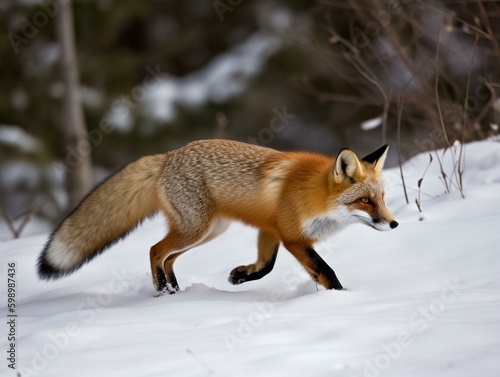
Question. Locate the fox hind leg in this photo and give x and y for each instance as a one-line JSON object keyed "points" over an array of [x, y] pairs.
{"points": [[168, 270], [217, 227], [174, 245], [268, 245], [164, 254]]}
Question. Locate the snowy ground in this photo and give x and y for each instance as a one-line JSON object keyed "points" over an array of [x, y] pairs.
{"points": [[422, 300]]}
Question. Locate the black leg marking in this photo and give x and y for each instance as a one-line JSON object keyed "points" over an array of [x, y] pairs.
{"points": [[322, 268], [240, 275], [173, 281], [163, 285]]}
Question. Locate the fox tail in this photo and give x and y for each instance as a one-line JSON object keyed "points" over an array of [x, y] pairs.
{"points": [[103, 217]]}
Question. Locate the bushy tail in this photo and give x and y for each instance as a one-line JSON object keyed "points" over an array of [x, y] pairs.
{"points": [[106, 215]]}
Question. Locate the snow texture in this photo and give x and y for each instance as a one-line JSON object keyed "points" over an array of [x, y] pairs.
{"points": [[421, 300]]}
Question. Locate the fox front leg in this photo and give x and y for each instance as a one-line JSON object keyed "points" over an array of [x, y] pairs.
{"points": [[267, 246], [254, 271], [319, 270]]}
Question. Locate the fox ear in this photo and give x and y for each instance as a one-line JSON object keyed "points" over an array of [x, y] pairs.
{"points": [[376, 159], [346, 166]]}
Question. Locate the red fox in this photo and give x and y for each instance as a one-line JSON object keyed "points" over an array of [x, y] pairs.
{"points": [[293, 198]]}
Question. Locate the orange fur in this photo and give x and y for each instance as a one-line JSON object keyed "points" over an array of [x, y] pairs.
{"points": [[294, 198]]}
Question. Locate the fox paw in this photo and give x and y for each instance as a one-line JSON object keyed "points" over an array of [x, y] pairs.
{"points": [[168, 288], [238, 275]]}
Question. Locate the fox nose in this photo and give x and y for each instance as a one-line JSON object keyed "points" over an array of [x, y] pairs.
{"points": [[393, 224]]}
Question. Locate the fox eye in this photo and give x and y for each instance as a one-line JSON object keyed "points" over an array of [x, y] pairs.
{"points": [[365, 200]]}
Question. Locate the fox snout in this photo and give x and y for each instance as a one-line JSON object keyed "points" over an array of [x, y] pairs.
{"points": [[383, 225], [393, 224], [383, 219]]}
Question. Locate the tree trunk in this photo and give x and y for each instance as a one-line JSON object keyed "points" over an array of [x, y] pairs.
{"points": [[76, 145]]}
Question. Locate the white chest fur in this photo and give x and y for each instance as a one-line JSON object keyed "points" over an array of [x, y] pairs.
{"points": [[325, 225]]}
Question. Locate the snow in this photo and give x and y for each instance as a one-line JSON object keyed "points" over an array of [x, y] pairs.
{"points": [[17, 137], [371, 124], [421, 300], [159, 93], [223, 77]]}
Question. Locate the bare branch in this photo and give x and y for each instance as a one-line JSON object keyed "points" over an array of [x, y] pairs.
{"points": [[400, 112], [16, 231]]}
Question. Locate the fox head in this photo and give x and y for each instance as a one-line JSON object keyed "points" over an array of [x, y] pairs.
{"points": [[363, 193]]}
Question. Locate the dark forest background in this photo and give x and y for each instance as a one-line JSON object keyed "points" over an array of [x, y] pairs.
{"points": [[316, 75]]}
